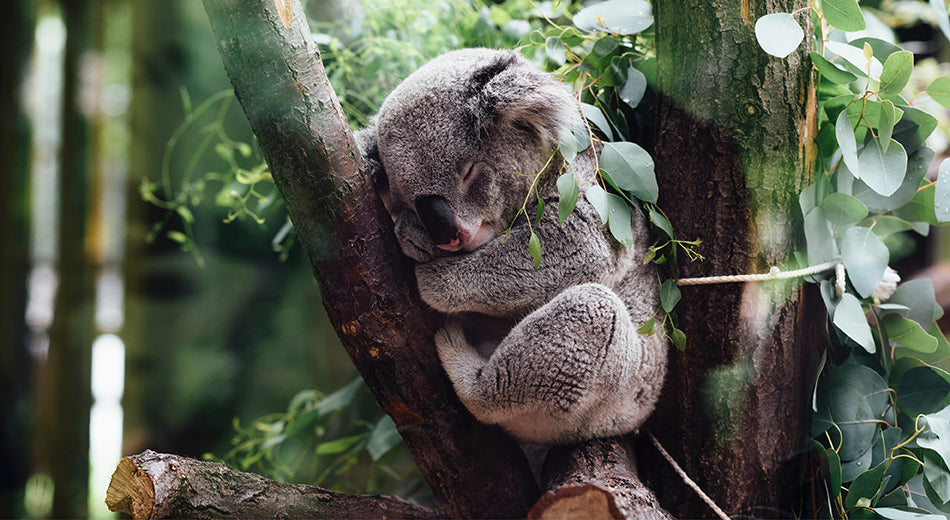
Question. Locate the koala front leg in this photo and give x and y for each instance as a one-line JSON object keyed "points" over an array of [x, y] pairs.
{"points": [[574, 369]]}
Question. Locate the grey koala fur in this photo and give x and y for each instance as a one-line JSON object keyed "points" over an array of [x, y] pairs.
{"points": [[454, 149]]}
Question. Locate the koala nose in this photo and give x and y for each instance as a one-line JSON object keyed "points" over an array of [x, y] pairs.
{"points": [[438, 219]]}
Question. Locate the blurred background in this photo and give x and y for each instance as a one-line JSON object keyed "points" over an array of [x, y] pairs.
{"points": [[152, 296]]}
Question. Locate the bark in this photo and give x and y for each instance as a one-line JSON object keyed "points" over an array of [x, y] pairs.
{"points": [[156, 485], [474, 470], [734, 147], [595, 479]]}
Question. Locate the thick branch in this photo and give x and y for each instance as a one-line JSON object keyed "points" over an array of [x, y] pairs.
{"points": [[157, 485], [474, 470], [596, 479]]}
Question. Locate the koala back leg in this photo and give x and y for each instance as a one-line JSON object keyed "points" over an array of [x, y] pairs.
{"points": [[573, 369]]}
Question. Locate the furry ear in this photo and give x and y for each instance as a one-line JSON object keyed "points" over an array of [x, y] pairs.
{"points": [[511, 91], [369, 149]]}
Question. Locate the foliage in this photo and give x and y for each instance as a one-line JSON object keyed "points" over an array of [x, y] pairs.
{"points": [[882, 422], [607, 54], [316, 441]]}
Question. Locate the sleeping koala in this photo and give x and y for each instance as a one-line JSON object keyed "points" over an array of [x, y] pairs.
{"points": [[455, 149]]}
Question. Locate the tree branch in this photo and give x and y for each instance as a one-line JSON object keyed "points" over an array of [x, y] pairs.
{"points": [[156, 485]]}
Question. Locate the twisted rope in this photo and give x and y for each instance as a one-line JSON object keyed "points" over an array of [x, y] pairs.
{"points": [[688, 481], [774, 274]]}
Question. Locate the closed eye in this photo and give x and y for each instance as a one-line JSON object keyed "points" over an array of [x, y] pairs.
{"points": [[469, 172]]}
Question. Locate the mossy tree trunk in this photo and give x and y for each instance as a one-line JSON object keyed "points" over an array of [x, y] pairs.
{"points": [[734, 147]]}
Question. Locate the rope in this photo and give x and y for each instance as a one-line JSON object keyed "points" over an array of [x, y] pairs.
{"points": [[689, 482], [774, 274]]}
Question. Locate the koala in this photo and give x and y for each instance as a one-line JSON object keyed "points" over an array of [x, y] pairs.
{"points": [[551, 354]]}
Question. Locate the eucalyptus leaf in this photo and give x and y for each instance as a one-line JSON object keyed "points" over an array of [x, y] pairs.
{"points": [[885, 123], [942, 193], [844, 132], [841, 209], [669, 295], [631, 92], [866, 381], [598, 198], [865, 257], [631, 167], [778, 34], [849, 319], [886, 225], [914, 128], [830, 71], [896, 513], [867, 485], [385, 437], [896, 72], [920, 208], [534, 248], [619, 219], [339, 399], [917, 166], [848, 410], [662, 223], [923, 390], [883, 172], [936, 437], [567, 195], [919, 297], [855, 57], [939, 90], [843, 14], [615, 16], [818, 238], [908, 333], [596, 117], [943, 20], [554, 50]]}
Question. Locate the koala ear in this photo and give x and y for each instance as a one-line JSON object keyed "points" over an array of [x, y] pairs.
{"points": [[511, 91], [369, 149]]}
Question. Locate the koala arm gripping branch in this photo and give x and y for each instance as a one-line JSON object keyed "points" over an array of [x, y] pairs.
{"points": [[499, 278]]}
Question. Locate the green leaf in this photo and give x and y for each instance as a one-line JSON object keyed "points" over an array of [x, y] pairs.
{"points": [[865, 257], [886, 225], [843, 14], [615, 16], [867, 485], [648, 328], [619, 219], [598, 198], [554, 50], [841, 209], [908, 333], [534, 248], [886, 122], [338, 445], [631, 92], [914, 128], [596, 117], [917, 166], [923, 390], [631, 167], [849, 319], [919, 297], [939, 90], [897, 69], [567, 196], [920, 208], [866, 381], [844, 133], [855, 59], [661, 223], [849, 411], [539, 212], [339, 399], [385, 437], [943, 21], [882, 172], [936, 439], [669, 295], [818, 238], [830, 71], [942, 193], [678, 337], [897, 513], [778, 34]]}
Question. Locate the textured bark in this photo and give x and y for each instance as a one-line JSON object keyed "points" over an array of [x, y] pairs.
{"points": [[595, 479], [734, 147], [474, 470], [156, 485]]}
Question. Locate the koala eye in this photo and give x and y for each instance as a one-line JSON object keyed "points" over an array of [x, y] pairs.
{"points": [[469, 172]]}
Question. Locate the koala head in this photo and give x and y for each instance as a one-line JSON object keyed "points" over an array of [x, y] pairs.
{"points": [[459, 142]]}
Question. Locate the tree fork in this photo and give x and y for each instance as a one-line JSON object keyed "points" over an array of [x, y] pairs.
{"points": [[365, 283]]}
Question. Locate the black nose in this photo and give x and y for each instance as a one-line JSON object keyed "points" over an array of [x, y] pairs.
{"points": [[437, 218]]}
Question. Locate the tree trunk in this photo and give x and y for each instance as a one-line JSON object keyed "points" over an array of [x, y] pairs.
{"points": [[474, 470], [734, 147], [16, 37], [157, 485], [64, 386]]}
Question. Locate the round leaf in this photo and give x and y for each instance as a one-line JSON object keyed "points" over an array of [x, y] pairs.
{"points": [[830, 71], [896, 72], [942, 193], [883, 172], [939, 90], [633, 89], [908, 333], [631, 167], [844, 133], [778, 34], [818, 239], [856, 58], [865, 257], [841, 209], [554, 50], [616, 16], [843, 14], [849, 410], [923, 390]]}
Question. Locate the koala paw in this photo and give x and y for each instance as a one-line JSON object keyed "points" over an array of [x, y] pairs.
{"points": [[413, 239]]}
